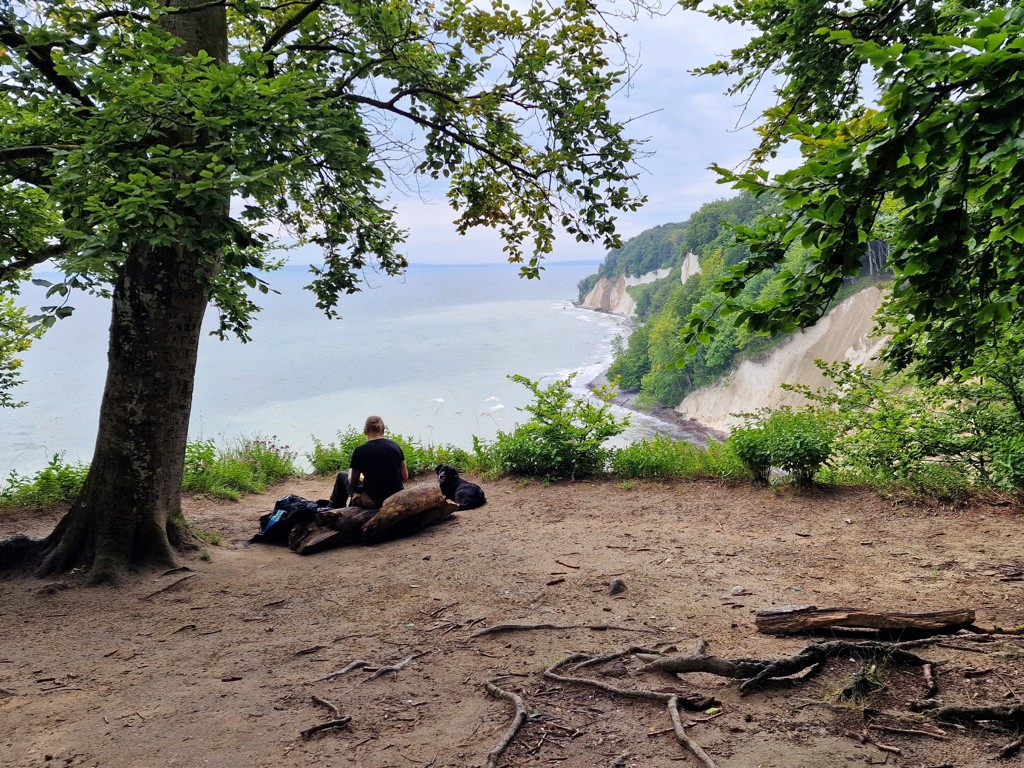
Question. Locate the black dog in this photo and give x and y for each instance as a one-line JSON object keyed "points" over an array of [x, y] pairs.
{"points": [[464, 493]]}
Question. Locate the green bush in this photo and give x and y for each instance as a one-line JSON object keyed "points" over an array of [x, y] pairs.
{"points": [[331, 458], [247, 467], [796, 442], [565, 437], [661, 456], [56, 483]]}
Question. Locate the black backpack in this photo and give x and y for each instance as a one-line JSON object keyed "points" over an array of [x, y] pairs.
{"points": [[276, 525]]}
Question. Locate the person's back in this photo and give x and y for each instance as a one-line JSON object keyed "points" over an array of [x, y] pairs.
{"points": [[378, 470], [381, 464]]}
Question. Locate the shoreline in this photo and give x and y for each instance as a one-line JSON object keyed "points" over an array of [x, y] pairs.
{"points": [[670, 421]]}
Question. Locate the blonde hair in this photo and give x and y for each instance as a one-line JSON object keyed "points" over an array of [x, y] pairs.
{"points": [[374, 426]]}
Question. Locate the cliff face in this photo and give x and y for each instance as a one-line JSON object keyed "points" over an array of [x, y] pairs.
{"points": [[610, 294], [842, 334]]}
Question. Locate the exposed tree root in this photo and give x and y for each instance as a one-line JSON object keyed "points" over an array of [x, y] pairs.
{"points": [[20, 551], [394, 667], [517, 720], [172, 585], [357, 664], [692, 701], [1012, 748], [339, 723], [756, 671], [689, 744], [332, 707], [499, 628], [1001, 713]]}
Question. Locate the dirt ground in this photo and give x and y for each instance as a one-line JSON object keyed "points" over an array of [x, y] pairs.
{"points": [[222, 664]]}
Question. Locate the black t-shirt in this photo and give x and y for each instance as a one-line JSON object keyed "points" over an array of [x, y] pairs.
{"points": [[380, 462]]}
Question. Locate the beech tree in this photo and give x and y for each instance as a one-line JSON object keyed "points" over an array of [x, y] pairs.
{"points": [[147, 147], [928, 158]]}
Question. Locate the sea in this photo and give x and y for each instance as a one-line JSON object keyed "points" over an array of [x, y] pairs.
{"points": [[430, 352]]}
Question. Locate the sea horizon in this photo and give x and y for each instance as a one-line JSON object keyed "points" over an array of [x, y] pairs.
{"points": [[430, 352]]}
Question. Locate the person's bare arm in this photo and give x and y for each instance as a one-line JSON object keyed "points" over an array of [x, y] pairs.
{"points": [[405, 472]]}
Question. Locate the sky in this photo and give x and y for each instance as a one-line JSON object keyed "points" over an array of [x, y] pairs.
{"points": [[688, 123]]}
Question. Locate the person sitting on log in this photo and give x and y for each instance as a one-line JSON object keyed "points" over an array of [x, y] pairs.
{"points": [[378, 470]]}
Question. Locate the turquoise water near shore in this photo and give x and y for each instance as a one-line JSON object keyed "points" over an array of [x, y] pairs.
{"points": [[429, 352]]}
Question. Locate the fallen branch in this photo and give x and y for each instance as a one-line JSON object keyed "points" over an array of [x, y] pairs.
{"points": [[689, 744], [931, 687], [499, 628], [517, 721], [339, 723]]}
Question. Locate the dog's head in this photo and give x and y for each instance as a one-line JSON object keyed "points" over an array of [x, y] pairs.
{"points": [[446, 474]]}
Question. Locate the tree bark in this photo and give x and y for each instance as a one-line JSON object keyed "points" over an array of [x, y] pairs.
{"points": [[128, 514]]}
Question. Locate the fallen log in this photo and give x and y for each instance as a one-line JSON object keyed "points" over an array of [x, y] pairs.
{"points": [[793, 619], [407, 512]]}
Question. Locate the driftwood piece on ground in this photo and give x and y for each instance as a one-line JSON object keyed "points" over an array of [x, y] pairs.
{"points": [[792, 619], [407, 512]]}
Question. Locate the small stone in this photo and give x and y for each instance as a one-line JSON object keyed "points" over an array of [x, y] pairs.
{"points": [[615, 586]]}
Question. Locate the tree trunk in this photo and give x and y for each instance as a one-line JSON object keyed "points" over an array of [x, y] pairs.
{"points": [[132, 495], [128, 514]]}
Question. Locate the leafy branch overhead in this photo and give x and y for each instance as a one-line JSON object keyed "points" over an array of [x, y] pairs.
{"points": [[931, 165], [107, 132]]}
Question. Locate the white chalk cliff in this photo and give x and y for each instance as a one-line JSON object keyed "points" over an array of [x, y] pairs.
{"points": [[610, 294], [845, 333]]}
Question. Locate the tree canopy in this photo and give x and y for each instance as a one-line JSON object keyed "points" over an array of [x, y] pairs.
{"points": [[909, 117], [314, 105], [149, 148]]}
